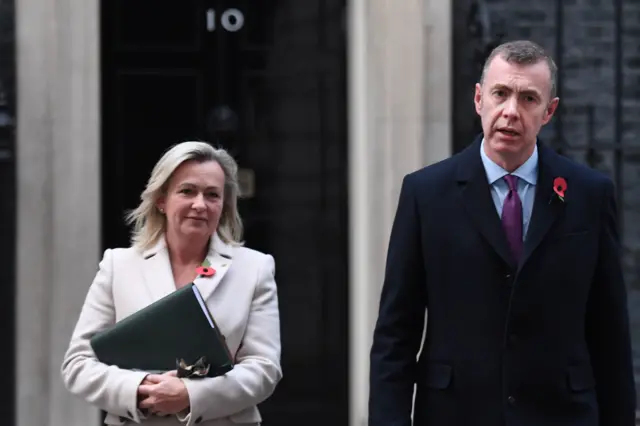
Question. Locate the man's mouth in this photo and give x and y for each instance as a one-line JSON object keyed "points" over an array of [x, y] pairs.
{"points": [[508, 132]]}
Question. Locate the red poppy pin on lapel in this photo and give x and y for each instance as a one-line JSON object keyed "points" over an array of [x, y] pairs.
{"points": [[205, 270], [560, 186]]}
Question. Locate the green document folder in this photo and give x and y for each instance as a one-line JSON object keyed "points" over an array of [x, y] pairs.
{"points": [[178, 326]]}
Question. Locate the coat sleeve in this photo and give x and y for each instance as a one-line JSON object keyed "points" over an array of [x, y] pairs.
{"points": [[257, 372], [607, 325], [109, 388], [399, 327]]}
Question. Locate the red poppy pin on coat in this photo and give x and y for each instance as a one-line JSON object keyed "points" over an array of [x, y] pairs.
{"points": [[560, 186], [205, 269]]}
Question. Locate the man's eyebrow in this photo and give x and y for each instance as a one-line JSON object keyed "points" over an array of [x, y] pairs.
{"points": [[510, 89]]}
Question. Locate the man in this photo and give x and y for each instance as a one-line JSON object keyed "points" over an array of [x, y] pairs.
{"points": [[513, 252]]}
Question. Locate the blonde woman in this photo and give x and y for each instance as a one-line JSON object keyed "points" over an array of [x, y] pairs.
{"points": [[188, 215]]}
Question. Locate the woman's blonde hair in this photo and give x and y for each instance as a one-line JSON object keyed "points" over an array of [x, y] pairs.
{"points": [[149, 224]]}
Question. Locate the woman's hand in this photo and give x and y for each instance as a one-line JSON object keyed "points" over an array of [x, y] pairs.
{"points": [[172, 373], [163, 393]]}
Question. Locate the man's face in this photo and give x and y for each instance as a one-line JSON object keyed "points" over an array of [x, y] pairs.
{"points": [[513, 103]]}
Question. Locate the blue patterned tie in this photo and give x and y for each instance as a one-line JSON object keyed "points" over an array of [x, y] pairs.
{"points": [[512, 217]]}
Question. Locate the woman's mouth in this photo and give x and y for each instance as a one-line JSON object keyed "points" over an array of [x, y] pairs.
{"points": [[200, 219]]}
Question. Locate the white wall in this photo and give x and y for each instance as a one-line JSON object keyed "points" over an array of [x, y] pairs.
{"points": [[58, 197], [400, 117]]}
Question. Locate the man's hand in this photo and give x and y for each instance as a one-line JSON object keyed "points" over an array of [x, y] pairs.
{"points": [[163, 393]]}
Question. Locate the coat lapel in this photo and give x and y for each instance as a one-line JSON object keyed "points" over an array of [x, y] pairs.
{"points": [[476, 197], [546, 207], [158, 276], [220, 257]]}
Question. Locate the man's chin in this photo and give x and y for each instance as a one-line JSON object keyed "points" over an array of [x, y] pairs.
{"points": [[507, 145], [507, 150]]}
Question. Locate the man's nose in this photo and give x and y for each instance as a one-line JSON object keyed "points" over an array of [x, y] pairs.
{"points": [[510, 108]]}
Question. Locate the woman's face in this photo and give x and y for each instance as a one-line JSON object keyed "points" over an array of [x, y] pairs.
{"points": [[194, 199]]}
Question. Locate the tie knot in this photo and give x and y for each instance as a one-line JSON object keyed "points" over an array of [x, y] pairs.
{"points": [[512, 181]]}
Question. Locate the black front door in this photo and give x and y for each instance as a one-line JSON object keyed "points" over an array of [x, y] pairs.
{"points": [[8, 209], [265, 80], [8, 226]]}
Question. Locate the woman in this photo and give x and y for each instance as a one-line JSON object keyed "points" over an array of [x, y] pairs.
{"points": [[188, 215]]}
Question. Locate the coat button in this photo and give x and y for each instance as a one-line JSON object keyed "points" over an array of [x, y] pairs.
{"points": [[199, 419], [511, 400]]}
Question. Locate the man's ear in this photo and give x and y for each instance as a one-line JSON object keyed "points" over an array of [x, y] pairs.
{"points": [[551, 109], [477, 98]]}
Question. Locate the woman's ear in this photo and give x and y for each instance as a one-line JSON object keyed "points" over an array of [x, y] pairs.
{"points": [[160, 204]]}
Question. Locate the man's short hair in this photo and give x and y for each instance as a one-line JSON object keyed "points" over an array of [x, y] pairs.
{"points": [[523, 52]]}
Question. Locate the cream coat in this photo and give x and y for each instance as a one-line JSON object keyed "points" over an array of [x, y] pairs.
{"points": [[241, 296]]}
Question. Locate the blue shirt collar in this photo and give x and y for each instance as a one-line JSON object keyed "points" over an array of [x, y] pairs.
{"points": [[527, 171]]}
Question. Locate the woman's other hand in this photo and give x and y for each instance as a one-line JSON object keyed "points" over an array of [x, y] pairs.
{"points": [[163, 393]]}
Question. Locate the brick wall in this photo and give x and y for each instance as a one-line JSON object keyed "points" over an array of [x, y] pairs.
{"points": [[586, 58]]}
